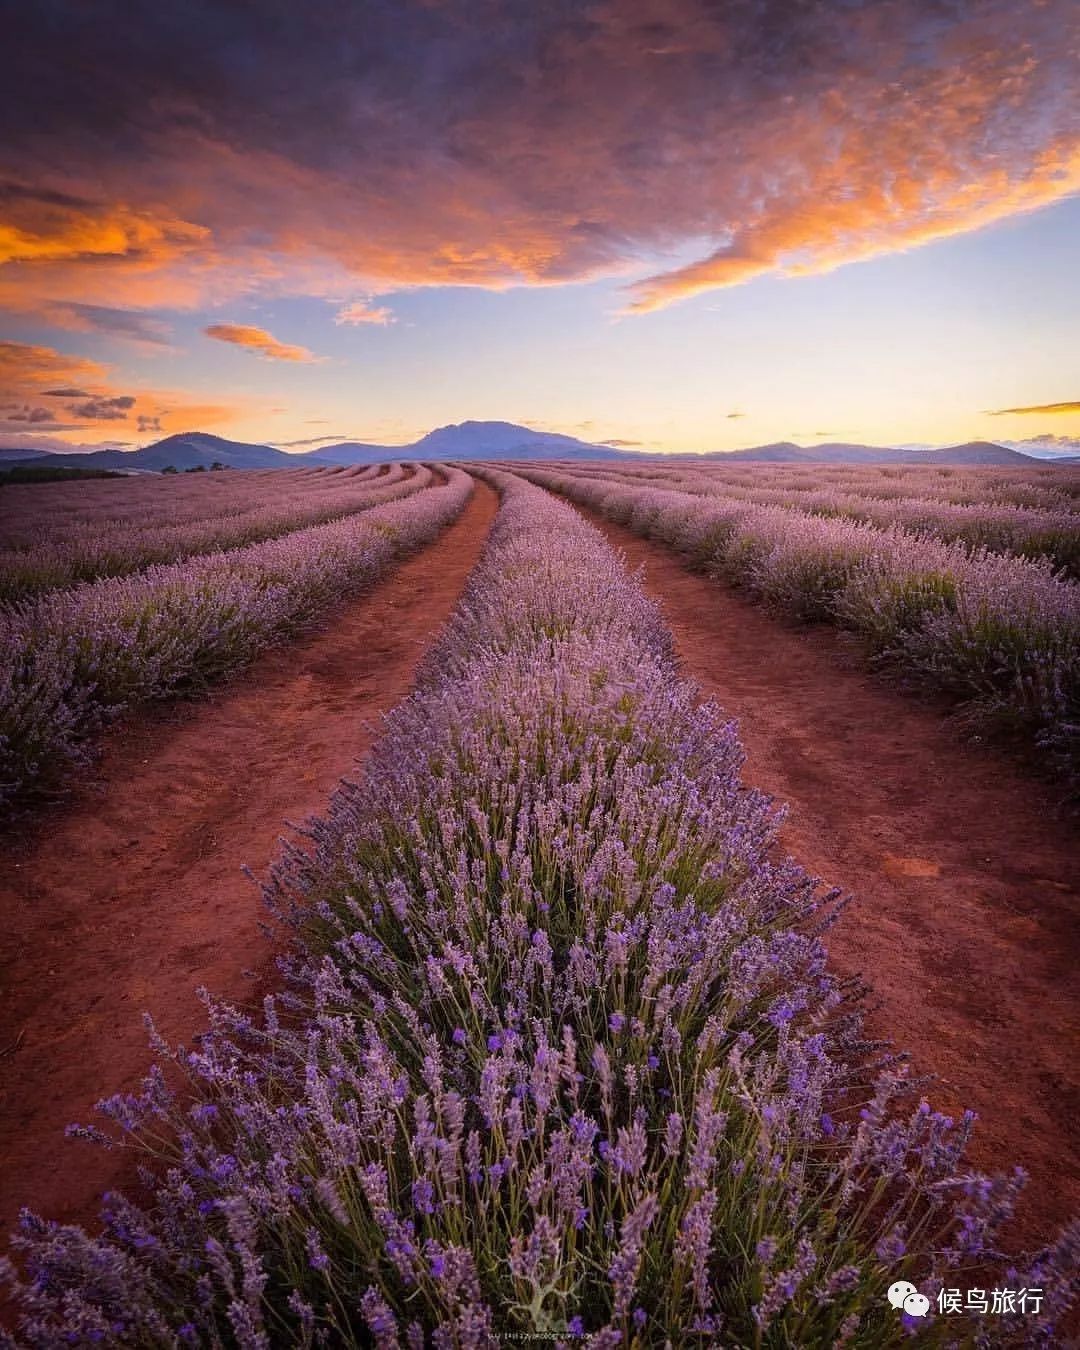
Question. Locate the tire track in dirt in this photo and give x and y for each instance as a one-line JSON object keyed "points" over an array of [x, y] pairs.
{"points": [[964, 871], [132, 895]]}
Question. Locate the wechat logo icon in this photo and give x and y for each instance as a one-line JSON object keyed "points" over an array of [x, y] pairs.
{"points": [[905, 1297]]}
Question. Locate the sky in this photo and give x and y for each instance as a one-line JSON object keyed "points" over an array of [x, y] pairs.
{"points": [[670, 224]]}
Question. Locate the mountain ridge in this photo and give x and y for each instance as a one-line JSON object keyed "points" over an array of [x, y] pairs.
{"points": [[479, 440], [185, 450]]}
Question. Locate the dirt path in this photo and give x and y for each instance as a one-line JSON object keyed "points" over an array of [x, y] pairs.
{"points": [[132, 897], [964, 872]]}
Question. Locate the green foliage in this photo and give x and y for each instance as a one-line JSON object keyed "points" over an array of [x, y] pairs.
{"points": [[33, 473]]}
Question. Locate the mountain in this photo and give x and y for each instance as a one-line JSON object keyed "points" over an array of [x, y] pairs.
{"points": [[188, 450], [978, 453], [506, 440], [353, 452], [473, 440], [841, 452], [781, 452], [498, 440]]}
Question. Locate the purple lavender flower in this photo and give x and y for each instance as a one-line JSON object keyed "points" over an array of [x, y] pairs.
{"points": [[549, 756]]}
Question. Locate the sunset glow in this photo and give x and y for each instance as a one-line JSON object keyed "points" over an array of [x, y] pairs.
{"points": [[657, 222]]}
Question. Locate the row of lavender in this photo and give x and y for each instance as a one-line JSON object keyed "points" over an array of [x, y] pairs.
{"points": [[558, 1057], [1002, 527], [35, 511], [1054, 487], [72, 660], [999, 634], [100, 548]]}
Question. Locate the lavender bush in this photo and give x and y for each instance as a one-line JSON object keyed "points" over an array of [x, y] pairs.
{"points": [[559, 1055], [72, 660], [1053, 488], [34, 511], [1000, 527], [1000, 634], [62, 552]]}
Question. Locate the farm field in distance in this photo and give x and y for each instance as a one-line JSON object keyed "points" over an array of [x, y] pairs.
{"points": [[622, 901]]}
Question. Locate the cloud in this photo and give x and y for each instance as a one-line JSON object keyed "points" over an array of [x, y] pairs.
{"points": [[128, 324], [681, 145], [845, 220], [29, 373], [35, 416], [257, 340], [1046, 446], [25, 366], [732, 415], [316, 440], [50, 226], [23, 440], [114, 409], [74, 256], [1050, 453], [617, 443], [1071, 406], [362, 311]]}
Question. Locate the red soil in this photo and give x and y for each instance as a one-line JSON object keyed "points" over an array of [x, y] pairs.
{"points": [[964, 872], [133, 895]]}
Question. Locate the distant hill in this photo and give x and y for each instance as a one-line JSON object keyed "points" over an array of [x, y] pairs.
{"points": [[473, 440], [842, 452], [833, 452], [782, 452], [500, 440], [507, 440], [188, 450], [353, 452], [976, 452]]}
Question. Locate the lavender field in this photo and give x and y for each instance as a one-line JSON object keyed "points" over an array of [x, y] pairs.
{"points": [[963, 581], [556, 1048], [77, 656], [540, 675], [54, 540]]}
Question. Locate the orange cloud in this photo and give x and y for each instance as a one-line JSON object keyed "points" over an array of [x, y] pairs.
{"points": [[839, 223], [558, 144], [25, 368], [48, 227], [55, 392], [60, 249], [257, 340], [362, 311], [1071, 406]]}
